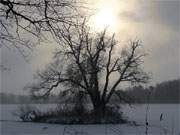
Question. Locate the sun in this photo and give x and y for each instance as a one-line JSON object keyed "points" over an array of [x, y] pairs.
{"points": [[104, 18], [111, 15]]}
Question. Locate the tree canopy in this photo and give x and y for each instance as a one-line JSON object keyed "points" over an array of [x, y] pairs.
{"points": [[24, 23], [88, 62]]}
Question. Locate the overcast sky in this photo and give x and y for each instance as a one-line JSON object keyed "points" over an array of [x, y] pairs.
{"points": [[155, 22]]}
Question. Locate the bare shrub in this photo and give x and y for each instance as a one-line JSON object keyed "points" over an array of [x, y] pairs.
{"points": [[27, 113]]}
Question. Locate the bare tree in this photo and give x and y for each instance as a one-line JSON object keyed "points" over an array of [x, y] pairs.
{"points": [[34, 19], [92, 65]]}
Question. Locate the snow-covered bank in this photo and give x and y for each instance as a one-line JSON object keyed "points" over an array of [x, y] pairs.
{"points": [[11, 128], [168, 125]]}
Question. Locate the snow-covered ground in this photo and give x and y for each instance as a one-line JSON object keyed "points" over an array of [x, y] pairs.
{"points": [[169, 124]]}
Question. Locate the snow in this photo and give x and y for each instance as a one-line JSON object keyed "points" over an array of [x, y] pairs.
{"points": [[169, 125], [40, 128]]}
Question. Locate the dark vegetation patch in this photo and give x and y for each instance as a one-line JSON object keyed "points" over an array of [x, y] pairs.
{"points": [[70, 114]]}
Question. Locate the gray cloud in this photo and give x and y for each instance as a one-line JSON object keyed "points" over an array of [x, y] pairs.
{"points": [[131, 16], [168, 12]]}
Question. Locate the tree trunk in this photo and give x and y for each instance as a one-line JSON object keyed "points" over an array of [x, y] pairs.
{"points": [[99, 106], [99, 111]]}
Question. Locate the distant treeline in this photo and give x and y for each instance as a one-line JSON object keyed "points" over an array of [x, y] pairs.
{"points": [[165, 92], [7, 98]]}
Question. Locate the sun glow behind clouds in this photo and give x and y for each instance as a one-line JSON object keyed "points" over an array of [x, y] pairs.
{"points": [[104, 18], [105, 15]]}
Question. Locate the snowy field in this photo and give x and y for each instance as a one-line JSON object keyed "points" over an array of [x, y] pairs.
{"points": [[169, 124]]}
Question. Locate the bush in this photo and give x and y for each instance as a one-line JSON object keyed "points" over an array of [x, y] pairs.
{"points": [[69, 114], [27, 113], [113, 115]]}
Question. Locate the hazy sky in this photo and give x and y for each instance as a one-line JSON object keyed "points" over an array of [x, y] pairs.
{"points": [[155, 22]]}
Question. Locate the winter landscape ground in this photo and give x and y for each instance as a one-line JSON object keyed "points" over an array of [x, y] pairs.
{"points": [[168, 125]]}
